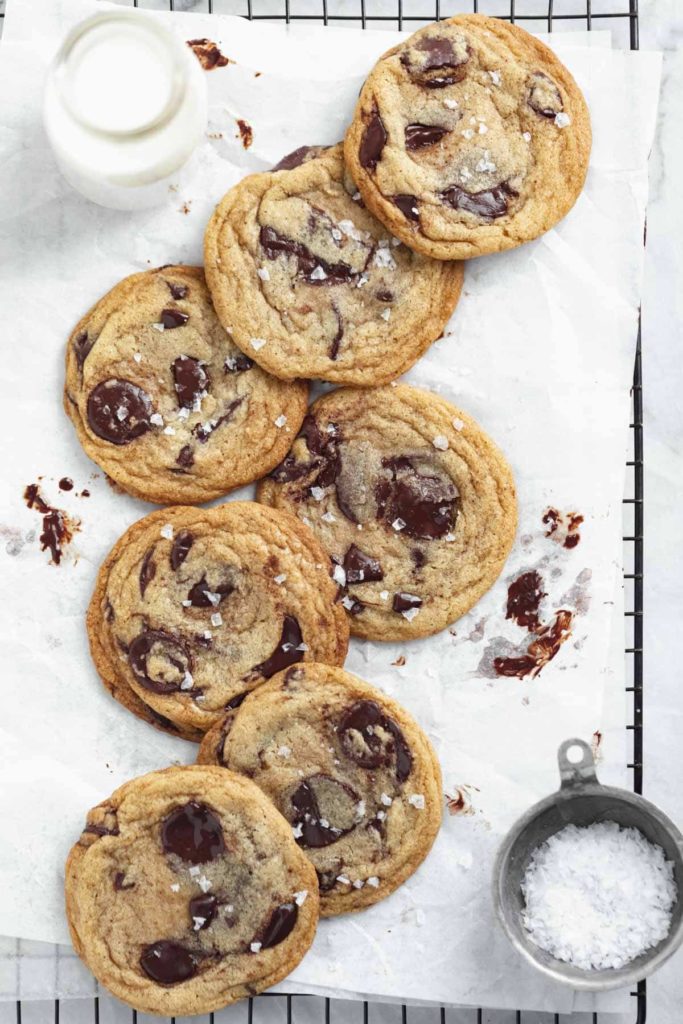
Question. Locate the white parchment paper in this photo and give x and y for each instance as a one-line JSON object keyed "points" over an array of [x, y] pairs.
{"points": [[540, 352]]}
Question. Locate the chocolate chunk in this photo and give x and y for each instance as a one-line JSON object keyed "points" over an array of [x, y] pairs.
{"points": [[190, 378], [426, 503], [420, 135], [193, 832], [148, 571], [418, 557], [403, 602], [178, 291], [120, 883], [101, 830], [199, 593], [435, 62], [237, 701], [109, 612], [286, 653], [298, 156], [384, 295], [203, 909], [167, 962], [119, 411], [372, 739], [185, 457], [172, 318], [279, 925], [182, 543], [373, 141], [524, 599], [203, 431], [407, 204], [339, 334], [544, 96], [308, 264], [208, 54], [66, 484], [323, 447], [82, 346], [160, 661], [327, 879], [238, 364], [488, 204], [308, 818], [361, 568]]}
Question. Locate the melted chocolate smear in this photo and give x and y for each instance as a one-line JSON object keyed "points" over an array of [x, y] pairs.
{"points": [[168, 963], [373, 142], [238, 364], [314, 832], [118, 411], [361, 568], [208, 54], [199, 593], [185, 457], [541, 650], [120, 882], [237, 701], [203, 431], [159, 661], [190, 379], [148, 571], [181, 548], [193, 833], [487, 204], [420, 135], [172, 318], [323, 447], [82, 346], [407, 204], [403, 602], [336, 341], [275, 245], [286, 653], [204, 907], [524, 598], [281, 923], [384, 295], [66, 484], [178, 291], [362, 744], [426, 504], [246, 133], [298, 156], [563, 527], [58, 528]]}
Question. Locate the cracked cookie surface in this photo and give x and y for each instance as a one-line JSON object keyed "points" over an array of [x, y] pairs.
{"points": [[349, 768], [413, 502], [310, 284], [186, 892], [470, 137], [164, 401], [193, 608]]}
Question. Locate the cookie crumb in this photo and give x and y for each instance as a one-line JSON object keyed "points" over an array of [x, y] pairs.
{"points": [[400, 661]]}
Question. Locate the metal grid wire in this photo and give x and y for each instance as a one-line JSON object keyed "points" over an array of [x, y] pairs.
{"points": [[538, 16]]}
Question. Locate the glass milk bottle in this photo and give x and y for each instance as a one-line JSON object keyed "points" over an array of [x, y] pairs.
{"points": [[125, 107]]}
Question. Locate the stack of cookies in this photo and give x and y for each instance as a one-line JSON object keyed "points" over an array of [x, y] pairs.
{"points": [[382, 511]]}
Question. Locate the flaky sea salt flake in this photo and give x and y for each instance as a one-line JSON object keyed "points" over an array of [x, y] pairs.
{"points": [[562, 120], [417, 800], [440, 442], [257, 343], [166, 531]]}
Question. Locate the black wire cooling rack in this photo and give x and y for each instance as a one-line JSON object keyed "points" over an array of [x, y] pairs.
{"points": [[536, 16]]}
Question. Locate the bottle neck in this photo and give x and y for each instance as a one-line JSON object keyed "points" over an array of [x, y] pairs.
{"points": [[121, 74]]}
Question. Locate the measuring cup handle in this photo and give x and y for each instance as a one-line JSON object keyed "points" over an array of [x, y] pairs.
{"points": [[575, 773]]}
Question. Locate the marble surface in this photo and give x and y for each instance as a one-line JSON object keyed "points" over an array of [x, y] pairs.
{"points": [[661, 27]]}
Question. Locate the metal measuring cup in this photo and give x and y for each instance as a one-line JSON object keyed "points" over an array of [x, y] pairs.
{"points": [[582, 800]]}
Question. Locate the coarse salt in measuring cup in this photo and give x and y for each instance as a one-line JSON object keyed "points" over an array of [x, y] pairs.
{"points": [[125, 107]]}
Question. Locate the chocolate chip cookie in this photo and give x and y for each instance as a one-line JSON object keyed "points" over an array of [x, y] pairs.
{"points": [[193, 608], [414, 503], [186, 891], [162, 399], [470, 137], [309, 284], [348, 767]]}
